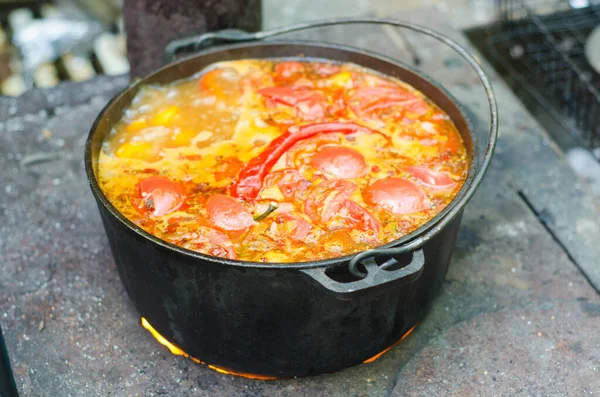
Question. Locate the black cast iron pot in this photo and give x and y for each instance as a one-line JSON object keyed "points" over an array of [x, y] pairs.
{"points": [[292, 319]]}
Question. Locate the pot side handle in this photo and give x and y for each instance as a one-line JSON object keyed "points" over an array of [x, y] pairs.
{"points": [[374, 275]]}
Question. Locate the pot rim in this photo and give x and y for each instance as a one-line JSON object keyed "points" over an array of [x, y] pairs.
{"points": [[323, 263]]}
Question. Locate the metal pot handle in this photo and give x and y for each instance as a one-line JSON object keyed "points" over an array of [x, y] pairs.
{"points": [[196, 43], [233, 35], [374, 276]]}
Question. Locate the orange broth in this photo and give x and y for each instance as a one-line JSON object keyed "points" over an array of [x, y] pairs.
{"points": [[282, 161]]}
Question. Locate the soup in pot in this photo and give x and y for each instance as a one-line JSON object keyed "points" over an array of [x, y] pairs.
{"points": [[282, 160]]}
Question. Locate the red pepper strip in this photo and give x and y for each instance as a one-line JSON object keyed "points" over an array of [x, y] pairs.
{"points": [[250, 179]]}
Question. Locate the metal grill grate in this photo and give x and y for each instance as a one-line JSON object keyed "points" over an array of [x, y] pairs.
{"points": [[542, 46]]}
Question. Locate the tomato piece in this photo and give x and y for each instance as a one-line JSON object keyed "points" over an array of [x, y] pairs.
{"points": [[227, 213], [303, 82], [434, 180], [309, 104], [220, 81], [283, 95], [397, 195], [416, 108], [306, 149], [340, 161], [358, 217], [373, 94], [288, 180], [382, 104], [338, 108], [325, 199], [210, 241], [330, 202], [255, 80], [311, 107], [288, 70], [382, 101], [326, 69], [301, 228], [160, 195]]}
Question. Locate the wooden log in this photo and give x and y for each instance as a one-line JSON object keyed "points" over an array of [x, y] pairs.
{"points": [[112, 61]]}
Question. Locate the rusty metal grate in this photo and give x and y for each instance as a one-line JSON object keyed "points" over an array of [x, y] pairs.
{"points": [[541, 45]]}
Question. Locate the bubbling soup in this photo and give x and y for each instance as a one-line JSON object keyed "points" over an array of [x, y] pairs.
{"points": [[282, 160]]}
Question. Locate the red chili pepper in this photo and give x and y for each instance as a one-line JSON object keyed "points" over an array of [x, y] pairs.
{"points": [[251, 177]]}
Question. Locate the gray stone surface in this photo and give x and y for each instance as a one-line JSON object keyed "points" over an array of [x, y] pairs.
{"points": [[65, 94], [516, 315]]}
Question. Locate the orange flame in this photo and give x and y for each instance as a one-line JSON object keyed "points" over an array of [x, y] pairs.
{"points": [[178, 352], [381, 353], [161, 339]]}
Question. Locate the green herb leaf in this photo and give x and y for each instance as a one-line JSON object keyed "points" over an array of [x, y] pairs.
{"points": [[272, 207]]}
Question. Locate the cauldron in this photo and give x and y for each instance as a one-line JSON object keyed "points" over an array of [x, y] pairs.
{"points": [[289, 319]]}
